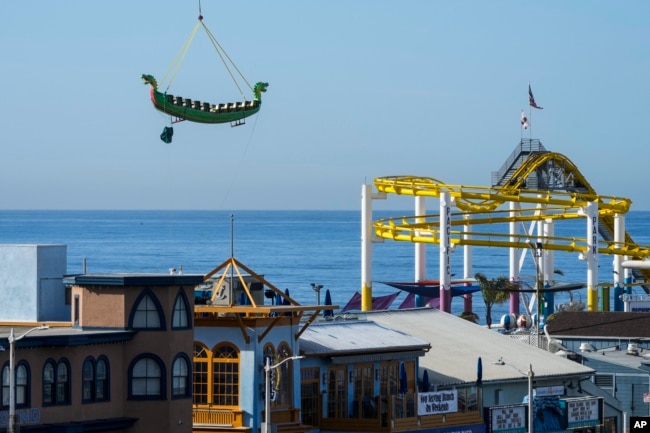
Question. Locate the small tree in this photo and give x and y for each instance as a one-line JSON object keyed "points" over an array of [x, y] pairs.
{"points": [[469, 316], [495, 291]]}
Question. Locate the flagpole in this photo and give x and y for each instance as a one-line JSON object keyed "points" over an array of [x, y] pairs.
{"points": [[530, 117], [530, 122]]}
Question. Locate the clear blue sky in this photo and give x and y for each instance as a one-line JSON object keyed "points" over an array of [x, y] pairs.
{"points": [[358, 90]]}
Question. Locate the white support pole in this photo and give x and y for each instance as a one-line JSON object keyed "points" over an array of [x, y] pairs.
{"points": [[539, 283], [467, 262], [12, 382], [467, 249], [267, 396], [548, 228], [619, 240], [531, 397], [592, 256], [445, 253], [539, 265], [514, 257], [420, 251], [366, 248]]}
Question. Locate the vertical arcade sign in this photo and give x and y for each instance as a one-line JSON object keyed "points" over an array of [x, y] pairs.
{"points": [[268, 361], [445, 251]]}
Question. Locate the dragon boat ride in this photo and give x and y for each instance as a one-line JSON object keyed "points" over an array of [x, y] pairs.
{"points": [[182, 108], [204, 112]]}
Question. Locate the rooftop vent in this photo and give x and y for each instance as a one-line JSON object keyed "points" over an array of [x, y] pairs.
{"points": [[632, 349], [586, 347]]}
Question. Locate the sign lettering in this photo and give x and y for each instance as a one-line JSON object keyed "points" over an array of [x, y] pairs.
{"points": [[432, 403]]}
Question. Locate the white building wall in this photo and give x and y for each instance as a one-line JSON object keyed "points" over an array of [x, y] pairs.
{"points": [[31, 283]]}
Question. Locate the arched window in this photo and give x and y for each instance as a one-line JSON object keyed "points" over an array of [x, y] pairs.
{"points": [[102, 377], [216, 375], [147, 378], [269, 353], [147, 312], [200, 374], [63, 382], [283, 386], [49, 383], [22, 384], [88, 380], [95, 380], [225, 367], [181, 315], [5, 385], [180, 377]]}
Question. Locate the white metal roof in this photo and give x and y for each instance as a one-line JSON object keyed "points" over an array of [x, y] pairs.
{"points": [[456, 345], [356, 336], [639, 359]]}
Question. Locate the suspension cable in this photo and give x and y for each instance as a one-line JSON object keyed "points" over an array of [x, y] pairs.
{"points": [[223, 53], [178, 60]]}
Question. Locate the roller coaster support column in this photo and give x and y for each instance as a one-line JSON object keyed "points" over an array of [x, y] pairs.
{"points": [[538, 251], [619, 277], [420, 252], [467, 263], [548, 229], [366, 245], [514, 257], [592, 256], [445, 252]]}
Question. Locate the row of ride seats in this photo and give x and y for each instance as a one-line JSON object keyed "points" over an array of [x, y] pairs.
{"points": [[205, 106]]}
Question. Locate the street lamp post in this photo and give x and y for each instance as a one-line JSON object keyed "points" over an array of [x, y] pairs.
{"points": [[531, 419], [317, 288], [267, 394], [12, 374]]}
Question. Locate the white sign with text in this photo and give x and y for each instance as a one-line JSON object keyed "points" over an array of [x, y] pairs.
{"points": [[433, 403]]}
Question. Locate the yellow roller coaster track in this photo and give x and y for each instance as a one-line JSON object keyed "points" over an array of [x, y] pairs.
{"points": [[483, 206]]}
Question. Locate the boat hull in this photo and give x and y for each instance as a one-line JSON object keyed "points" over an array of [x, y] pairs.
{"points": [[203, 112]]}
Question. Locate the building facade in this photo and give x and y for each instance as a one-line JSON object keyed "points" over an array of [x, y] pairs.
{"points": [[122, 360]]}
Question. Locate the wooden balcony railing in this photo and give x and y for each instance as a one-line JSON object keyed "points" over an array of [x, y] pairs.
{"points": [[216, 417]]}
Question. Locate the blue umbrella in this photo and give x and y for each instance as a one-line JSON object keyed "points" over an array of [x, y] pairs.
{"points": [[479, 372], [285, 301], [425, 381], [328, 301], [403, 387]]}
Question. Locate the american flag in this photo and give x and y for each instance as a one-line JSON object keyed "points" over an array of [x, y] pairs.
{"points": [[531, 99]]}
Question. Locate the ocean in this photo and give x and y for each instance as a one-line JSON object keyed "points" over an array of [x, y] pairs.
{"points": [[292, 249]]}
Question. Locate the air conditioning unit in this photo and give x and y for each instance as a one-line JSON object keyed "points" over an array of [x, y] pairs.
{"points": [[632, 349], [232, 292]]}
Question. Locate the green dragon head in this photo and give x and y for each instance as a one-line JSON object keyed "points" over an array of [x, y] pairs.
{"points": [[149, 79], [258, 89]]}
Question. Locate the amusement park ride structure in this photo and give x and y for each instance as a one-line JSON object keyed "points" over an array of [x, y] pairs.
{"points": [[181, 109], [534, 186]]}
